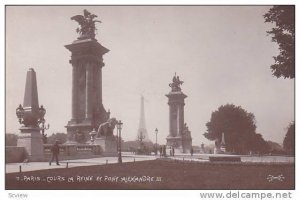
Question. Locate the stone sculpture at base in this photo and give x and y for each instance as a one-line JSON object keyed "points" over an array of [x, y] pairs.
{"points": [[106, 139]]}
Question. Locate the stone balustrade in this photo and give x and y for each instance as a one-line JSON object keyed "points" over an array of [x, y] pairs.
{"points": [[74, 151]]}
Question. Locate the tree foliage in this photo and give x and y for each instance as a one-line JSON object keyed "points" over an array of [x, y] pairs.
{"points": [[259, 145], [289, 140], [275, 148], [238, 127], [284, 35], [61, 137]]}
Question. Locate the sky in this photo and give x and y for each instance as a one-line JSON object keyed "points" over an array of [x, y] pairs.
{"points": [[222, 53]]}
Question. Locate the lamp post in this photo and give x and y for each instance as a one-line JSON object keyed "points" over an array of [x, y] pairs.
{"points": [[93, 133], [119, 128], [41, 123], [44, 127], [156, 131], [20, 113]]}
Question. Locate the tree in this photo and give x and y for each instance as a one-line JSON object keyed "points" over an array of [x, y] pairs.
{"points": [[237, 125], [275, 148], [284, 35], [259, 145], [61, 137], [289, 140]]}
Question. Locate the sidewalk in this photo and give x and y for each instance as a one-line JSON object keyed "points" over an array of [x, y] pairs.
{"points": [[33, 166]]}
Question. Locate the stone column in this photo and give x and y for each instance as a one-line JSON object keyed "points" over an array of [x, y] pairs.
{"points": [[74, 92], [170, 119], [100, 83], [87, 55], [177, 121], [180, 119], [88, 90]]}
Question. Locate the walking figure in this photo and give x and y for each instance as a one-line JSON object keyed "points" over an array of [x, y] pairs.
{"points": [[55, 152], [192, 151], [160, 151]]}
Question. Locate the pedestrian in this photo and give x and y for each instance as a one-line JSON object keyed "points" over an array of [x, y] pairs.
{"points": [[160, 151], [173, 151], [192, 151], [55, 152]]}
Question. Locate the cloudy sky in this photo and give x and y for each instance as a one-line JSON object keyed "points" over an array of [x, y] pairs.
{"points": [[222, 53]]}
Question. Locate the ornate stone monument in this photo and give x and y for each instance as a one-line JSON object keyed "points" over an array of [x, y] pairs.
{"points": [[87, 61], [30, 116], [179, 137]]}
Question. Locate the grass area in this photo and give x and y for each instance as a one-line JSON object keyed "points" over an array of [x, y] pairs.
{"points": [[157, 174]]}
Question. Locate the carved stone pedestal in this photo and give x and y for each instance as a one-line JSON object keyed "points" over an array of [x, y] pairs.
{"points": [[31, 139], [108, 145]]}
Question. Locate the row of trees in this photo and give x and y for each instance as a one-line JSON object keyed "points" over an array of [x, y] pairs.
{"points": [[11, 139], [239, 128]]}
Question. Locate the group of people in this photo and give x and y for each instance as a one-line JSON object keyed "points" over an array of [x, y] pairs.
{"points": [[163, 151]]}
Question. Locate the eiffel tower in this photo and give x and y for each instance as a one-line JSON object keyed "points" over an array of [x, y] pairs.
{"points": [[142, 133]]}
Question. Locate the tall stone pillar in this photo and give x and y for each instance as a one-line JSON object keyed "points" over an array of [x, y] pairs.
{"points": [[87, 108], [30, 115], [87, 61], [179, 137]]}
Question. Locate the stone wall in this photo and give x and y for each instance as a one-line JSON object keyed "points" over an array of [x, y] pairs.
{"points": [[14, 154]]}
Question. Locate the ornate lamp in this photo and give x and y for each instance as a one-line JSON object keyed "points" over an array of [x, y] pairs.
{"points": [[156, 131], [93, 133], [20, 113], [119, 128]]}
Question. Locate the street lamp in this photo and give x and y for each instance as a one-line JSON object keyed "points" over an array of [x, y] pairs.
{"points": [[44, 127], [119, 128], [156, 131], [20, 113]]}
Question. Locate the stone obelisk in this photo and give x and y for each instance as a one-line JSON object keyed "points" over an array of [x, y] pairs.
{"points": [[179, 137], [87, 61], [142, 133], [223, 144], [30, 137]]}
